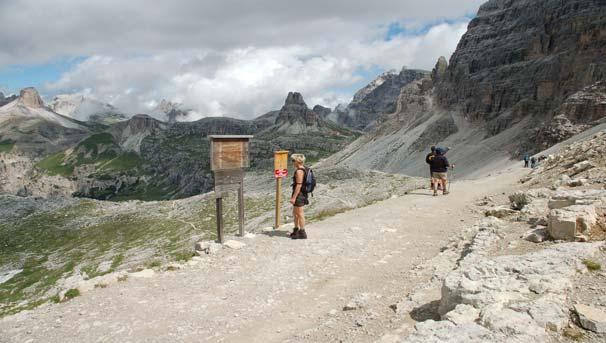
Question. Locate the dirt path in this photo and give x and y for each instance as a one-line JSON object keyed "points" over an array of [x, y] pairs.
{"points": [[275, 289]]}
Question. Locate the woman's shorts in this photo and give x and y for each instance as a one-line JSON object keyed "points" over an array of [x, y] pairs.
{"points": [[301, 200], [441, 176]]}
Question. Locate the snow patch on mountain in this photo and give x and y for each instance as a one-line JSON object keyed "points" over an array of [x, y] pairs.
{"points": [[83, 107]]}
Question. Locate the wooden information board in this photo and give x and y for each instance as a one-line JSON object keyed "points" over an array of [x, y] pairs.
{"points": [[229, 152], [229, 155]]}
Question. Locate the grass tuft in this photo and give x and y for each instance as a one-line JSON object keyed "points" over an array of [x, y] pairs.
{"points": [[70, 294], [573, 333], [591, 265], [518, 201]]}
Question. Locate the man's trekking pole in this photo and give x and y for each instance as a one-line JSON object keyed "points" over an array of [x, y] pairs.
{"points": [[451, 178]]}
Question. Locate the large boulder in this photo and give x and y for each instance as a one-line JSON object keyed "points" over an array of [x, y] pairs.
{"points": [[564, 198], [591, 318], [570, 223]]}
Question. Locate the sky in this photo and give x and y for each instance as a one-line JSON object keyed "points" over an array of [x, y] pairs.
{"points": [[228, 57]]}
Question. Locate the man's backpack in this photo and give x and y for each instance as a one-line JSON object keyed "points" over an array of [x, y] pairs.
{"points": [[309, 182]]}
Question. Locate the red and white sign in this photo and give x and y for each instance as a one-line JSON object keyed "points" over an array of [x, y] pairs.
{"points": [[278, 173]]}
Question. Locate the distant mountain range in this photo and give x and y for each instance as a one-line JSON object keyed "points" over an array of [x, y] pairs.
{"points": [[526, 75], [106, 156]]}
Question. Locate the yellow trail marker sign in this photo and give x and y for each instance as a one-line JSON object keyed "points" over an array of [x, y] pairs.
{"points": [[280, 171]]}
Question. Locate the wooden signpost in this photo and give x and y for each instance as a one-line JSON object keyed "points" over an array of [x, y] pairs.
{"points": [[280, 171], [229, 155]]}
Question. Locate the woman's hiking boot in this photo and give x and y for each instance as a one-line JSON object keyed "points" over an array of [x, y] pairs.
{"points": [[301, 234], [294, 232]]}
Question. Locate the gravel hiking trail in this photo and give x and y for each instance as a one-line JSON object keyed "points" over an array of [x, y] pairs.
{"points": [[337, 285]]}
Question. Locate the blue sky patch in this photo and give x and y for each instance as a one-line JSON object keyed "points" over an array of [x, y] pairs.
{"points": [[396, 29], [15, 77]]}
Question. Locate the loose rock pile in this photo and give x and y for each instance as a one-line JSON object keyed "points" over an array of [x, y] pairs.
{"points": [[496, 295]]}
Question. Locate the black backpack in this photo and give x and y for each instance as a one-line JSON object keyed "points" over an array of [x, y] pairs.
{"points": [[309, 182]]}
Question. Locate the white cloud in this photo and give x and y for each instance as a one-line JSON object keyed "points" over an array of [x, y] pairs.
{"points": [[246, 82]]}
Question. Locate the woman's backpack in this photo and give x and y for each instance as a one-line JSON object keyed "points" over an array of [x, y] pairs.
{"points": [[309, 183]]}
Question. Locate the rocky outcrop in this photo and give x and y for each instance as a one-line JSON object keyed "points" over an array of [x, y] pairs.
{"points": [[377, 98], [579, 112], [18, 176], [169, 111], [295, 117], [521, 59], [29, 97], [506, 298], [322, 111], [438, 72], [5, 100], [130, 134]]}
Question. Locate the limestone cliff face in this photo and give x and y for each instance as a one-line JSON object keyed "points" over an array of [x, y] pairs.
{"points": [[526, 75], [18, 176], [129, 134], [579, 112], [377, 98], [524, 58], [29, 97]]}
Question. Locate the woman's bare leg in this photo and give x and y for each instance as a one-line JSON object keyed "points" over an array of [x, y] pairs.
{"points": [[301, 217], [295, 217]]}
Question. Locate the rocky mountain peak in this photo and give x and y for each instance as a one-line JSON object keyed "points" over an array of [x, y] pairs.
{"points": [[29, 97], [1, 96], [322, 111], [294, 98], [142, 122], [169, 111], [130, 133], [295, 116], [166, 106], [377, 98], [439, 70]]}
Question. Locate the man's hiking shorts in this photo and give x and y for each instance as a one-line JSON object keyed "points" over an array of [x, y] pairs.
{"points": [[440, 176]]}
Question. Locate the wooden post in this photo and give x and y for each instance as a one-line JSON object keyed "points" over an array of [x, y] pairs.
{"points": [[220, 219], [280, 171], [241, 207], [278, 201]]}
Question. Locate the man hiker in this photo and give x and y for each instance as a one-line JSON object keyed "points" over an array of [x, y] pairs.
{"points": [[439, 169], [428, 160], [298, 198], [526, 160]]}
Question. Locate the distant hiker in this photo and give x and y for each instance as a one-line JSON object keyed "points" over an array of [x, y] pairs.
{"points": [[533, 162], [299, 197], [526, 160], [439, 170], [428, 160]]}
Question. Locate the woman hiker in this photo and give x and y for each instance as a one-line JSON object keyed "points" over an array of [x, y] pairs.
{"points": [[298, 198]]}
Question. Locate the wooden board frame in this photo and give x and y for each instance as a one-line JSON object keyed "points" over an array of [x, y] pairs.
{"points": [[229, 152], [229, 155]]}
